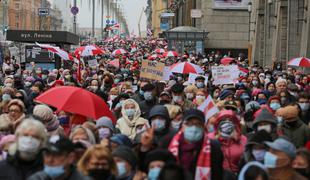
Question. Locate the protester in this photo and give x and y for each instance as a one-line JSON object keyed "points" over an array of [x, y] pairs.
{"points": [[279, 160], [178, 127], [26, 157], [58, 158], [97, 162]]}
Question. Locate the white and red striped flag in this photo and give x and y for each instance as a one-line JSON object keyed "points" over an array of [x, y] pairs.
{"points": [[60, 52], [209, 108]]}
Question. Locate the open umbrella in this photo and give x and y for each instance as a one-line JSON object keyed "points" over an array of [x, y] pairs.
{"points": [[159, 51], [154, 56], [77, 101], [119, 52], [226, 60], [186, 68], [90, 50], [300, 62], [171, 54]]}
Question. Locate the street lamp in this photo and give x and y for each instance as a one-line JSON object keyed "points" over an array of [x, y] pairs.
{"points": [[250, 46]]}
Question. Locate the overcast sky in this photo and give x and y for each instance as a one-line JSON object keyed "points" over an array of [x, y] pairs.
{"points": [[132, 10]]}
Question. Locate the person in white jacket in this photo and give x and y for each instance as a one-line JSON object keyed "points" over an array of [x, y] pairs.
{"points": [[131, 123]]}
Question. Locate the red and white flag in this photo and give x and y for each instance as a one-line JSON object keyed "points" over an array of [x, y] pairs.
{"points": [[209, 108], [60, 52]]}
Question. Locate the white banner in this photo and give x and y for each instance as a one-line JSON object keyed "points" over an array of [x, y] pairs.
{"points": [[225, 74]]}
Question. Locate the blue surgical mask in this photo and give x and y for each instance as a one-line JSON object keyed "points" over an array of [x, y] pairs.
{"points": [[121, 169], [275, 106], [54, 171], [130, 112], [262, 101], [270, 160], [211, 128], [200, 84], [259, 154], [158, 124], [141, 92], [148, 96], [193, 133], [154, 173], [6, 97]]}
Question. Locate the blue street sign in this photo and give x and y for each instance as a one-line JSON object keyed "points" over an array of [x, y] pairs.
{"points": [[108, 21]]}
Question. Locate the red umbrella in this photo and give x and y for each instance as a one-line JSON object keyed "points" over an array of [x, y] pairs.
{"points": [[300, 62], [226, 60], [171, 54], [90, 50], [77, 101]]}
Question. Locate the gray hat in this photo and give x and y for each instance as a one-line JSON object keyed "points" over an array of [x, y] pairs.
{"points": [[105, 121], [265, 116], [251, 105], [283, 145], [126, 154]]}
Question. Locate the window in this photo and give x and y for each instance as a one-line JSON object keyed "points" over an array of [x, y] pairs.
{"points": [[17, 6]]}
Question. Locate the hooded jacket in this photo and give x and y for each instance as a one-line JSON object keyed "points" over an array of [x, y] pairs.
{"points": [[232, 148], [162, 111], [129, 127]]}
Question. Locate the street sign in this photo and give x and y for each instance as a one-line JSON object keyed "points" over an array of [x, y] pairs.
{"points": [[74, 10], [108, 21], [167, 15], [43, 11], [196, 13]]}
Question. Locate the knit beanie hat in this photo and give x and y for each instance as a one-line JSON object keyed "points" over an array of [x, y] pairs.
{"points": [[44, 112], [126, 154], [159, 155]]}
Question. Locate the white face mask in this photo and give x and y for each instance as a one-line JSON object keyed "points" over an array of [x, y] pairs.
{"points": [[176, 124], [112, 97], [304, 106], [189, 95], [28, 144], [266, 127]]}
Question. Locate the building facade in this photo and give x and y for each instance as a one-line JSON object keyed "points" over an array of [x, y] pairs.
{"points": [[281, 30]]}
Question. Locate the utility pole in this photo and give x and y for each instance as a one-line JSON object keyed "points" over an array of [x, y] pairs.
{"points": [[74, 18], [93, 24], [102, 14]]}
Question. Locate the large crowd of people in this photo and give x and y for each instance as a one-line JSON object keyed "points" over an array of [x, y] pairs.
{"points": [[261, 132]]}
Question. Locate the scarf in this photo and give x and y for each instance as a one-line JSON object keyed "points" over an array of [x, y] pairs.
{"points": [[203, 169]]}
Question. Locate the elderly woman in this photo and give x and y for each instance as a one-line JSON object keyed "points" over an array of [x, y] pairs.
{"points": [[49, 119], [26, 158], [97, 162], [16, 110], [6, 126], [131, 124], [80, 133], [190, 92]]}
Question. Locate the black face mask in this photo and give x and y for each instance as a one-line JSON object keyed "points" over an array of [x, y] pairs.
{"points": [[291, 123], [99, 174], [163, 102], [302, 171]]}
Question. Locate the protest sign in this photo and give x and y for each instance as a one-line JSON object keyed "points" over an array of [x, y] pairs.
{"points": [[225, 74], [152, 70], [167, 73], [93, 63]]}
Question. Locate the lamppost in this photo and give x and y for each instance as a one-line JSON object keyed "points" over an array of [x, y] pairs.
{"points": [[250, 46]]}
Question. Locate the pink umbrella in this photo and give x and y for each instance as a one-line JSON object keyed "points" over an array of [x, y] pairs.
{"points": [[90, 50], [171, 54], [226, 60], [119, 52], [159, 51], [186, 68], [300, 62]]}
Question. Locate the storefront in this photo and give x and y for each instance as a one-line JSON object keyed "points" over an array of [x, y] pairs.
{"points": [[186, 38], [42, 57]]}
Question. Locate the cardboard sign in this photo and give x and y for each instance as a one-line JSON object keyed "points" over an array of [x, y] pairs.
{"points": [[152, 70], [93, 63], [225, 74], [192, 77]]}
